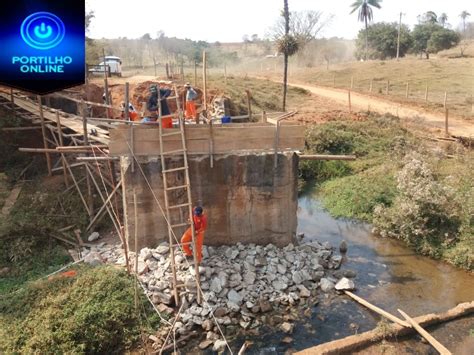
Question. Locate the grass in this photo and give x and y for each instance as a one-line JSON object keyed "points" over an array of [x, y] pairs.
{"points": [[356, 189], [454, 76], [90, 313]]}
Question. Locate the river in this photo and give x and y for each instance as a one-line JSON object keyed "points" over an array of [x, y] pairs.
{"points": [[388, 274]]}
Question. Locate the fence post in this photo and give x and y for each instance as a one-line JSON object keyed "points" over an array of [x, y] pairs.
{"points": [[407, 90], [446, 116], [445, 99], [349, 98], [371, 83], [426, 93], [388, 87]]}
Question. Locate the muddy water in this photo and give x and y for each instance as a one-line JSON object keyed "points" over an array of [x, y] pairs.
{"points": [[388, 275]]}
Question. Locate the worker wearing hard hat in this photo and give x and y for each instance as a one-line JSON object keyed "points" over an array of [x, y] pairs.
{"points": [[191, 96], [200, 225]]}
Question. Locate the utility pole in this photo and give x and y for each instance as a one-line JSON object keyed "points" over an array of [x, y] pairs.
{"points": [[398, 40]]}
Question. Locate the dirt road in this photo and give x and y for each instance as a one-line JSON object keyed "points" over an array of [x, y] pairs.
{"points": [[433, 121]]}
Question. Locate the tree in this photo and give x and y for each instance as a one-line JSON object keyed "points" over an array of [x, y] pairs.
{"points": [[365, 15], [429, 17], [288, 46], [255, 38], [443, 39], [431, 38], [443, 19], [382, 40], [464, 15], [304, 26]]}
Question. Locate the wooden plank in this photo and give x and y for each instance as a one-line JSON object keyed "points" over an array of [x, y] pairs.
{"points": [[228, 133], [436, 344], [377, 310], [72, 122], [221, 146]]}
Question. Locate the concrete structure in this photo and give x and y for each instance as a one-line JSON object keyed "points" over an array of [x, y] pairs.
{"points": [[245, 198], [248, 196]]}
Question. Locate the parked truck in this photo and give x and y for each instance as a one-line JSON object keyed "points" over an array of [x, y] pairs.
{"points": [[113, 65]]}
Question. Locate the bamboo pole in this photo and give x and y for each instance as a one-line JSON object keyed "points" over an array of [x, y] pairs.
{"points": [[97, 217], [43, 131], [135, 235], [436, 344], [377, 310], [60, 137], [90, 198], [204, 80], [125, 205]]}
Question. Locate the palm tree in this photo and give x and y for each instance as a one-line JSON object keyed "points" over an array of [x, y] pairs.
{"points": [[366, 16], [443, 19], [464, 15]]}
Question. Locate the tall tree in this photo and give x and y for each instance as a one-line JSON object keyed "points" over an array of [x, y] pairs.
{"points": [[365, 15], [286, 15], [464, 15], [443, 19]]}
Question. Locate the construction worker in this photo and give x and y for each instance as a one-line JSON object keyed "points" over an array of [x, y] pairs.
{"points": [[132, 113], [152, 106], [200, 225], [191, 95]]}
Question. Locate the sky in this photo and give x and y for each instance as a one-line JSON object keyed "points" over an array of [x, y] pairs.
{"points": [[230, 20]]}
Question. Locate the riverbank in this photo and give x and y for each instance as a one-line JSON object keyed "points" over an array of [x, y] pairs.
{"points": [[415, 190]]}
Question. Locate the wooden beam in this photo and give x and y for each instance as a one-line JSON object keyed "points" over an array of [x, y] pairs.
{"points": [[9, 129], [436, 344], [43, 131], [352, 343], [377, 310], [326, 157], [61, 142]]}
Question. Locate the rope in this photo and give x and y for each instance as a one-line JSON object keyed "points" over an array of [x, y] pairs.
{"points": [[179, 245]]}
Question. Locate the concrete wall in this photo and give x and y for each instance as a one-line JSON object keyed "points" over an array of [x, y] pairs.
{"points": [[245, 199]]}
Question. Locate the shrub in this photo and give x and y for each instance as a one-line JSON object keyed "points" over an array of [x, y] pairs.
{"points": [[425, 213]]}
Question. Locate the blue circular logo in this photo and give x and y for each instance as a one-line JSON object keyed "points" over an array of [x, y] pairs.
{"points": [[42, 30]]}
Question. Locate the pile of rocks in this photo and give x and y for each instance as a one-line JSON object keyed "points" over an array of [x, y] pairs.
{"points": [[239, 283]]}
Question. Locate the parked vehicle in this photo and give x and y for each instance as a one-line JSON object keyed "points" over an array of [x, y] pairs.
{"points": [[113, 65]]}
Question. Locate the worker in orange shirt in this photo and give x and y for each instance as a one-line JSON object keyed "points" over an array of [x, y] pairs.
{"points": [[191, 95], [200, 225]]}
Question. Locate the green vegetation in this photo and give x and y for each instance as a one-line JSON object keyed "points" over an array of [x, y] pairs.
{"points": [[382, 40], [430, 37], [408, 190], [92, 312]]}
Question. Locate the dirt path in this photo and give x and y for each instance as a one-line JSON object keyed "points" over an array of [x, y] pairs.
{"points": [[457, 127]]}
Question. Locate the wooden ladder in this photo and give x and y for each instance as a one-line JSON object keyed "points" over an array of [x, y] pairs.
{"points": [[181, 152]]}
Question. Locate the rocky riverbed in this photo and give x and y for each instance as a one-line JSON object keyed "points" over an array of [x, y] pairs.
{"points": [[241, 284]]}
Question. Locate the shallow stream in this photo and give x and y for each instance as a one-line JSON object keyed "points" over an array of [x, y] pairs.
{"points": [[389, 275]]}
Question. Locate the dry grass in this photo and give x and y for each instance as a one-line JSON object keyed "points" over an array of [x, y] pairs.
{"points": [[454, 76]]}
